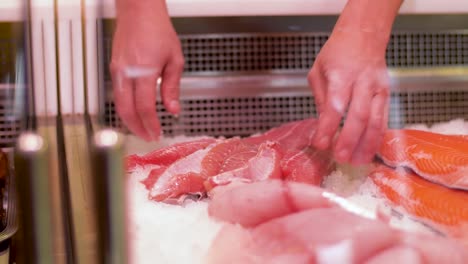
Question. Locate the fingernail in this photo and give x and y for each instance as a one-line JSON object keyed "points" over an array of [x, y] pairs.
{"points": [[174, 106]]}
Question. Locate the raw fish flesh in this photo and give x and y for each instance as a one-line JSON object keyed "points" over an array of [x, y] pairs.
{"points": [[437, 205], [264, 165], [284, 152], [185, 176], [212, 166], [306, 165], [168, 155], [442, 159], [289, 222]]}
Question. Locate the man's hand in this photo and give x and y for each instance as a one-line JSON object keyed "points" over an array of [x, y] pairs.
{"points": [[350, 77], [145, 48]]}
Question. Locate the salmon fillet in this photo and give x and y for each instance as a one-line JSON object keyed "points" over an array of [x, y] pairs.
{"points": [[437, 205], [442, 159]]}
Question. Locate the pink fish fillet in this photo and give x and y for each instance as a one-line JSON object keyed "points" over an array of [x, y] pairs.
{"points": [[290, 136], [264, 165], [301, 162], [282, 152], [284, 222], [182, 177], [166, 156], [153, 177], [307, 165], [218, 164], [228, 155]]}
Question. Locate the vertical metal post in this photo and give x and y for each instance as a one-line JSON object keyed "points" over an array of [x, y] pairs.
{"points": [[34, 197], [108, 169]]}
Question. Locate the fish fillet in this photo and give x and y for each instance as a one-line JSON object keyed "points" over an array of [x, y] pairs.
{"points": [[283, 152], [264, 165], [437, 205], [307, 165], [218, 164], [290, 136], [181, 177], [291, 222], [168, 155], [442, 159], [301, 162]]}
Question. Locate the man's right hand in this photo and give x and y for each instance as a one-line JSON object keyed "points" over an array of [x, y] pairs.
{"points": [[145, 48]]}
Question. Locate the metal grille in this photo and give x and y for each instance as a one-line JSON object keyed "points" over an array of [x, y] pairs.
{"points": [[228, 116], [10, 125], [428, 107], [10, 43], [229, 53], [240, 53], [248, 115], [422, 49], [297, 51]]}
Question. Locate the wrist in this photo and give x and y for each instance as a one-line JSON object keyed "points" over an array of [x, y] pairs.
{"points": [[141, 8], [376, 41], [369, 17], [359, 44]]}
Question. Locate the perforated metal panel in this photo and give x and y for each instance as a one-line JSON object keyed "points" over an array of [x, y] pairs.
{"points": [[229, 53], [240, 53], [228, 116], [11, 40], [298, 51], [10, 125], [247, 115], [251, 53], [428, 107], [426, 49]]}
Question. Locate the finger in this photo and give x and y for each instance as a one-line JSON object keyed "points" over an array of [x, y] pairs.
{"points": [[337, 99], [356, 121], [318, 86], [372, 137], [170, 85], [125, 105], [145, 102]]}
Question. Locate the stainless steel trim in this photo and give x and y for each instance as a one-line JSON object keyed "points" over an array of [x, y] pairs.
{"points": [[295, 83], [32, 171], [316, 23], [110, 199]]}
